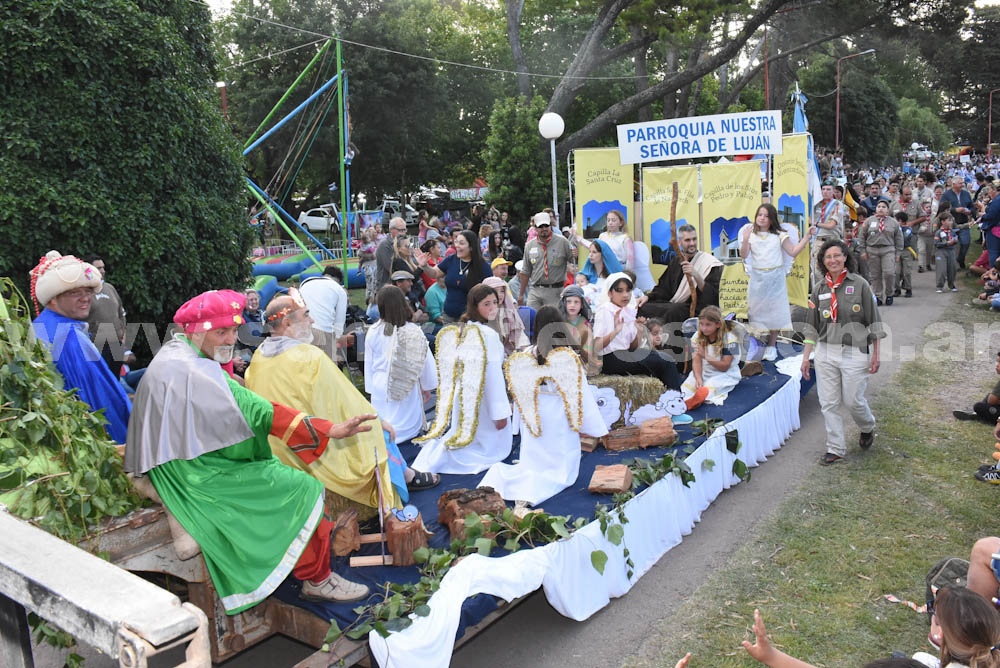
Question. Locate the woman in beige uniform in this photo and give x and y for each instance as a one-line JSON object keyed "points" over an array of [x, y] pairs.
{"points": [[844, 327]]}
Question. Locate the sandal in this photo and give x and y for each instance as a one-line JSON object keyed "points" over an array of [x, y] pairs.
{"points": [[423, 480], [830, 458]]}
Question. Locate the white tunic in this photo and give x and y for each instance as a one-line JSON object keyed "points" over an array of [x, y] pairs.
{"points": [[489, 445], [767, 294], [719, 383], [551, 462], [405, 416]]}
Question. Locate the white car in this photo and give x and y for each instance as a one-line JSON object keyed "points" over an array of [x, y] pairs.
{"points": [[324, 218], [392, 208]]}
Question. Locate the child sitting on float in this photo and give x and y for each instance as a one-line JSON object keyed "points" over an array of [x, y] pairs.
{"points": [[715, 353]]}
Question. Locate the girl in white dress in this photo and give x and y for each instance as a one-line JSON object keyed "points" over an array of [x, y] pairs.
{"points": [[399, 367], [715, 354], [471, 430], [767, 296], [550, 435], [618, 239]]}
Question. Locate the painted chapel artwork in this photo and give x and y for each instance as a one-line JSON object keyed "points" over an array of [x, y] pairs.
{"points": [[595, 216], [792, 210], [723, 235]]}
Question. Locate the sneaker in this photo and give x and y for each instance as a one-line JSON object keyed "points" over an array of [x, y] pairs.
{"points": [[897, 293], [866, 439], [334, 588], [954, 289], [770, 353], [964, 415], [909, 293], [830, 458], [920, 270], [991, 475], [986, 467], [888, 301], [940, 290]]}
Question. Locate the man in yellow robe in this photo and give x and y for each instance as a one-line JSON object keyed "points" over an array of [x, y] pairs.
{"points": [[287, 369]]}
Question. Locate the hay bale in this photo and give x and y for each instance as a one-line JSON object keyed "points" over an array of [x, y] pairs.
{"points": [[640, 390]]}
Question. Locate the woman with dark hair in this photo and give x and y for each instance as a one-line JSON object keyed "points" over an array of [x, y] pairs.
{"points": [[601, 263], [494, 247], [555, 406], [617, 337], [461, 271], [471, 429], [399, 367], [767, 297], [844, 327]]}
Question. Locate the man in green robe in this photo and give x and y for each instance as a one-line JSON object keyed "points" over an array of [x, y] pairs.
{"points": [[203, 440]]}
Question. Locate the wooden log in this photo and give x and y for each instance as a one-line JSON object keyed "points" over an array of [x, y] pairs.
{"points": [[657, 432], [347, 535], [458, 503], [404, 538], [589, 443], [372, 560], [624, 438], [610, 479]]}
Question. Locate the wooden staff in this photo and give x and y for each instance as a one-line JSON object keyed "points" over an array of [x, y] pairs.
{"points": [[675, 244]]}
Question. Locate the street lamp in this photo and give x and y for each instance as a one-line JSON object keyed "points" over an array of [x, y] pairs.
{"points": [[221, 85], [836, 133], [551, 127], [989, 128]]}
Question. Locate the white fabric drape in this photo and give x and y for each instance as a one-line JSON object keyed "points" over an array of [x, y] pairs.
{"points": [[658, 519]]}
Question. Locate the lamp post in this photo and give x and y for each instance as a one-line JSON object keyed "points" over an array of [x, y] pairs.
{"points": [[551, 127], [989, 128], [221, 85], [836, 123]]}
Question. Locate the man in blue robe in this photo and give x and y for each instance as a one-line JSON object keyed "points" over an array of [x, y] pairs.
{"points": [[63, 289]]}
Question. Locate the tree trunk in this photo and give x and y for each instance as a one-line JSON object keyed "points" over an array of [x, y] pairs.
{"points": [[514, 9], [641, 76], [670, 97], [589, 133]]}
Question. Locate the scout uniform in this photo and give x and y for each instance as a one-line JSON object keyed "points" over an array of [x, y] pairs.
{"points": [[545, 265], [842, 322], [823, 213], [882, 240]]}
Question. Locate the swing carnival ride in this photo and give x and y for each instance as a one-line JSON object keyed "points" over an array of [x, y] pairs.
{"points": [[309, 117]]}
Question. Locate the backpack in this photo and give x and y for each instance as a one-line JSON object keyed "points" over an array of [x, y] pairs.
{"points": [[949, 571]]}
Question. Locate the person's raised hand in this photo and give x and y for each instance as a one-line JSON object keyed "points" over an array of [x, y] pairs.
{"points": [[761, 649], [352, 426]]}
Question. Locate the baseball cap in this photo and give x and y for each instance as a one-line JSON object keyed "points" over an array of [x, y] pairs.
{"points": [[541, 219], [499, 261]]}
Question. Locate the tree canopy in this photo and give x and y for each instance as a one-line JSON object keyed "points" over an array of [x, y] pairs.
{"points": [[115, 144]]}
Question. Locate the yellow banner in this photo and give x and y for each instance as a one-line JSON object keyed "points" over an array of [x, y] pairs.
{"points": [[733, 290], [730, 200], [791, 197], [791, 182], [602, 184], [657, 194]]}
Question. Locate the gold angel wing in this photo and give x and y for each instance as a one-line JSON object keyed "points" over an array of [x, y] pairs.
{"points": [[525, 375], [461, 363]]}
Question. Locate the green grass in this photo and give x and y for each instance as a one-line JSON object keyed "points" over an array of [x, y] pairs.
{"points": [[853, 532]]}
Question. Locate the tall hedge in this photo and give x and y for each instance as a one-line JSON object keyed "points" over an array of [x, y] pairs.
{"points": [[114, 143]]}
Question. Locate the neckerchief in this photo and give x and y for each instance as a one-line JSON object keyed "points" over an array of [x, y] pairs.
{"points": [[833, 292], [545, 252], [881, 223], [827, 210]]}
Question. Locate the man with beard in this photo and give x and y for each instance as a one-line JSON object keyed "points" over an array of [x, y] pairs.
{"points": [[366, 469], [670, 300], [202, 438]]}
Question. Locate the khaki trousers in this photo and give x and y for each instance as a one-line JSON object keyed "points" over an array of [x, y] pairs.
{"points": [[841, 381]]}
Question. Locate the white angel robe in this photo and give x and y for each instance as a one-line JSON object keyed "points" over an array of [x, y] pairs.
{"points": [[406, 415], [489, 445], [550, 462]]}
